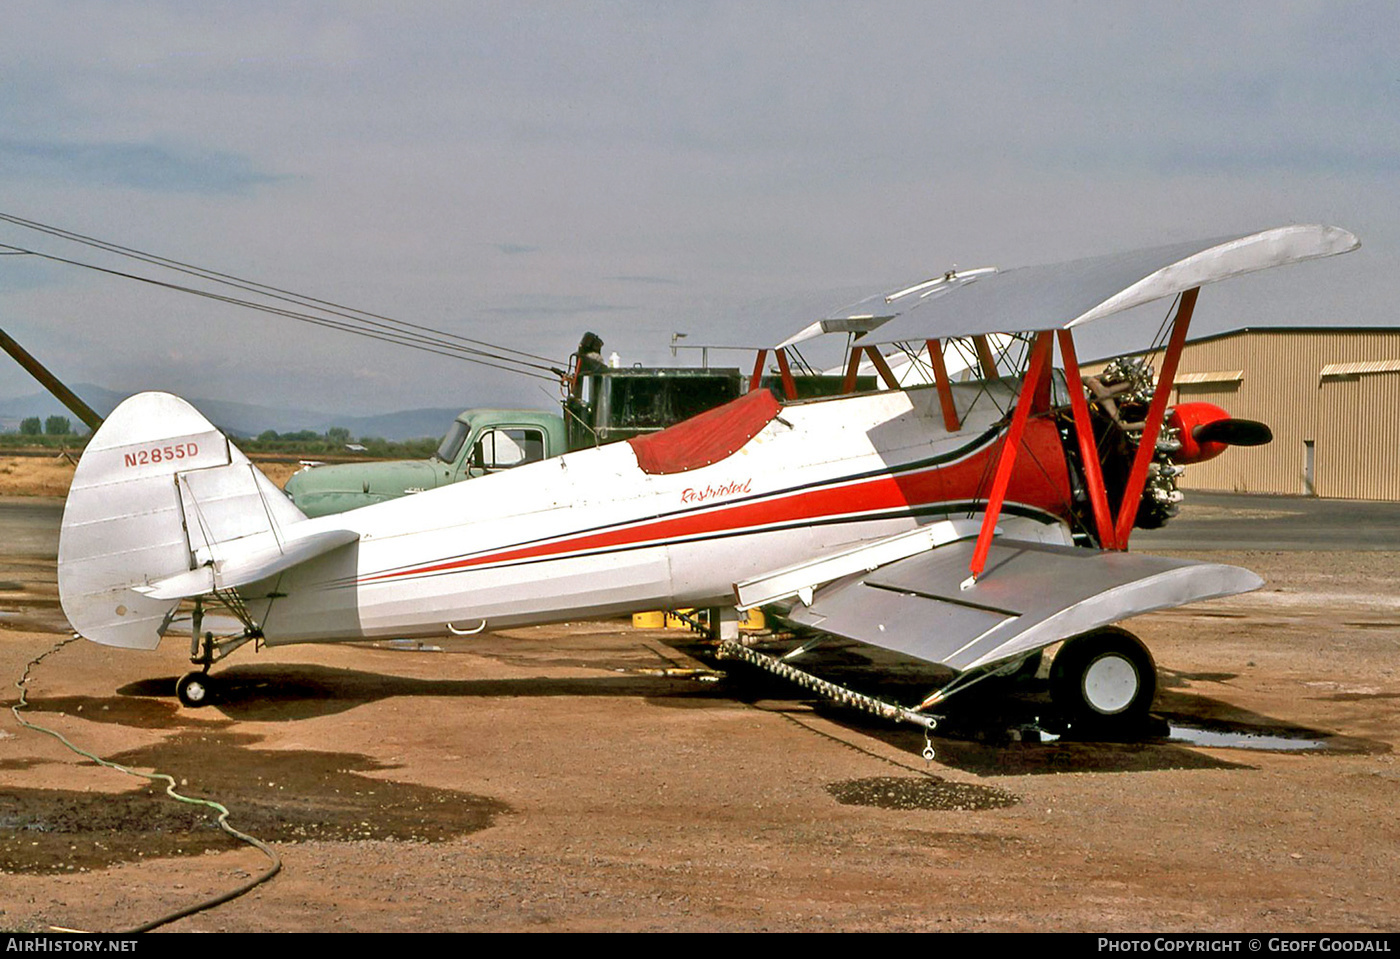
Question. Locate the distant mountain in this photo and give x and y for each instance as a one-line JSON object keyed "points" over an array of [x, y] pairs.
{"points": [[241, 419], [405, 425]]}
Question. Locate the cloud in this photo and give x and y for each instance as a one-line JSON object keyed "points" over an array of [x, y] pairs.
{"points": [[652, 280], [144, 166], [22, 272], [547, 305]]}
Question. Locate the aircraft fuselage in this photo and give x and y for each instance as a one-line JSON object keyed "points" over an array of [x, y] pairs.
{"points": [[590, 534]]}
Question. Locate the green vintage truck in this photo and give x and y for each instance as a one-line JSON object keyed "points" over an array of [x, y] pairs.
{"points": [[477, 443], [607, 405]]}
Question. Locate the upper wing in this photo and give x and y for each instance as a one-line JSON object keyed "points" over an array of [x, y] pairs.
{"points": [[1065, 295], [1029, 596]]}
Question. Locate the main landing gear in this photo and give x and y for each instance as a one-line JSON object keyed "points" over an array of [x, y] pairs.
{"points": [[1104, 681]]}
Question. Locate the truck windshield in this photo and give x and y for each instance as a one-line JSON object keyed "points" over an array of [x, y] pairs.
{"points": [[647, 403], [452, 442]]}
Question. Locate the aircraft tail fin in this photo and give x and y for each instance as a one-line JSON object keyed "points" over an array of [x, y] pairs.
{"points": [[159, 492]]}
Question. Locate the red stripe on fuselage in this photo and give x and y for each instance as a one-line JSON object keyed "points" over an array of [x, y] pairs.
{"points": [[1040, 480]]}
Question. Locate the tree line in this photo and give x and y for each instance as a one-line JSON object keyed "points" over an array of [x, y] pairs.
{"points": [[57, 431], [53, 426]]}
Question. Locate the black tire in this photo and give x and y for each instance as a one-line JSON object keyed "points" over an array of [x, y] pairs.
{"points": [[1104, 681], [194, 690]]}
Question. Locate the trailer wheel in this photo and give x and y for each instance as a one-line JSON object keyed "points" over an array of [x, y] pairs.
{"points": [[1104, 680], [193, 689]]}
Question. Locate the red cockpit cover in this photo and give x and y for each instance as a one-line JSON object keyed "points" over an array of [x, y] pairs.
{"points": [[707, 438]]}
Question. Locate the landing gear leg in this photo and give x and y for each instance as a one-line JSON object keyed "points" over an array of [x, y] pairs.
{"points": [[195, 689], [196, 624], [724, 624]]}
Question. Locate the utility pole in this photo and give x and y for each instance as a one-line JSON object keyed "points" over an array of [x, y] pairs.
{"points": [[50, 382]]}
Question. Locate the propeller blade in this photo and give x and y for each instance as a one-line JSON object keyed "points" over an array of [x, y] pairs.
{"points": [[1234, 432]]}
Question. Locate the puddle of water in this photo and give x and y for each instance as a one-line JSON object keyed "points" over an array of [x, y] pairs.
{"points": [[1196, 736], [925, 792], [276, 795], [1157, 732], [1237, 739], [37, 620]]}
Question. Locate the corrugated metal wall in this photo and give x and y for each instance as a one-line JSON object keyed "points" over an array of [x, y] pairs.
{"points": [[1346, 419], [1357, 453]]}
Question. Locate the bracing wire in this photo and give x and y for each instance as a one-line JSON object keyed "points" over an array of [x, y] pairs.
{"points": [[328, 313], [800, 361], [401, 339], [1159, 340], [240, 282]]}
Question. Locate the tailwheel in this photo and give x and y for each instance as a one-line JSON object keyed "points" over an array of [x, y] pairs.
{"points": [[1104, 681], [194, 689]]}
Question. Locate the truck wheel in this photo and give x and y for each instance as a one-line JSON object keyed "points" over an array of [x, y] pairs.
{"points": [[1104, 681]]}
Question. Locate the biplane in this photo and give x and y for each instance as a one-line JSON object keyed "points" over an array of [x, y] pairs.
{"points": [[969, 524]]}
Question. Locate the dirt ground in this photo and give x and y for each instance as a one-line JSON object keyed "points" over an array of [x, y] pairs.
{"points": [[51, 475], [558, 778], [36, 475]]}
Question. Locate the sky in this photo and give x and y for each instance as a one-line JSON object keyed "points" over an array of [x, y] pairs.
{"points": [[521, 172]]}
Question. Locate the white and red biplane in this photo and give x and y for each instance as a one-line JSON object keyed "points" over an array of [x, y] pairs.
{"points": [[967, 524]]}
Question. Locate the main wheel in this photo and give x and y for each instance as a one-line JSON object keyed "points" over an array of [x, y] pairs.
{"points": [[1104, 680], [194, 689]]}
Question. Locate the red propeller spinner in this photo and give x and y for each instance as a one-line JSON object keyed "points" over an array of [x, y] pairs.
{"points": [[1206, 430]]}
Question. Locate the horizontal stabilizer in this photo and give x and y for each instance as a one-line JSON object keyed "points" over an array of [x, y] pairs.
{"points": [[240, 570], [1029, 596]]}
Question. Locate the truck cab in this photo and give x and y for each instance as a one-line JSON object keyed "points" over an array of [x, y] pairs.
{"points": [[604, 405], [478, 442], [617, 404]]}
